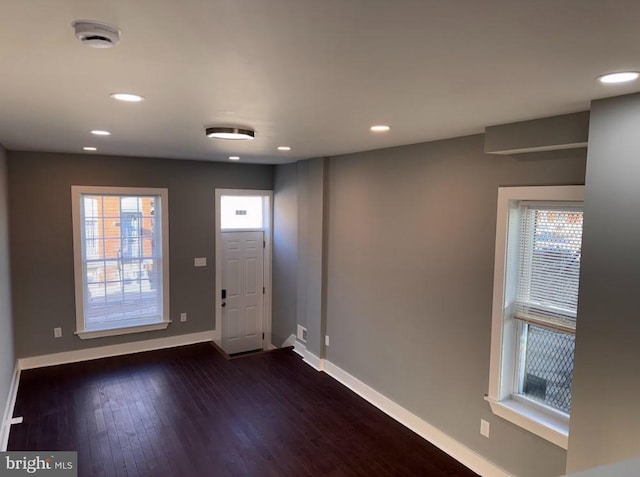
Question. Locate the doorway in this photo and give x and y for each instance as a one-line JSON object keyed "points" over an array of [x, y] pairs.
{"points": [[243, 270]]}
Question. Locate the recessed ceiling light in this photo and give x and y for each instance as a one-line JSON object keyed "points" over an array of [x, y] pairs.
{"points": [[380, 128], [89, 148], [98, 132], [620, 77], [284, 148], [128, 97], [236, 134], [234, 158]]}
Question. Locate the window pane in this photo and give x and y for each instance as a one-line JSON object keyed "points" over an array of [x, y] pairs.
{"points": [[548, 367], [95, 272], [557, 243], [153, 275], [130, 223], [111, 228], [149, 240], [111, 206], [121, 286], [112, 248], [241, 212], [549, 270]]}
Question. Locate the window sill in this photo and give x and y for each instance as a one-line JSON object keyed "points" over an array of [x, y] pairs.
{"points": [[88, 334], [552, 428]]}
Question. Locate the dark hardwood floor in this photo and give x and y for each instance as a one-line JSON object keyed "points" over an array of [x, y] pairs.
{"points": [[189, 412]]}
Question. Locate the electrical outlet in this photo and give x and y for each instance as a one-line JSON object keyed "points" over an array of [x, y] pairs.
{"points": [[301, 333], [57, 332], [183, 317], [326, 340], [484, 428]]}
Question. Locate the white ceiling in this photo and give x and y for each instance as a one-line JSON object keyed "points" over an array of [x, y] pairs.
{"points": [[312, 74]]}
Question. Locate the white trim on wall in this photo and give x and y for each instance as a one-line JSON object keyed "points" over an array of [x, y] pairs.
{"points": [[114, 350], [79, 277], [313, 361], [7, 416], [290, 341], [299, 348], [308, 357], [550, 425], [435, 436]]}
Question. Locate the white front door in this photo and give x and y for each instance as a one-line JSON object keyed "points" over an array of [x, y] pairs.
{"points": [[242, 291]]}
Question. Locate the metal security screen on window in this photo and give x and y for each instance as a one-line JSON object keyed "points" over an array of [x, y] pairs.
{"points": [[121, 239], [549, 251]]}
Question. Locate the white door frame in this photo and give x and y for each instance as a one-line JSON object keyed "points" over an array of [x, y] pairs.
{"points": [[267, 228]]}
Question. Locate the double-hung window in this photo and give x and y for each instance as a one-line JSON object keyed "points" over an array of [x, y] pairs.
{"points": [[121, 260], [537, 272]]}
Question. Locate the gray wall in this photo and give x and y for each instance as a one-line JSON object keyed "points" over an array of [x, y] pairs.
{"points": [[42, 247], [410, 273], [311, 268], [310, 186], [7, 356], [315, 247], [303, 239], [605, 411], [285, 252]]}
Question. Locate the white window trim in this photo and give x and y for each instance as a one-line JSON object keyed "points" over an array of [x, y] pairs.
{"points": [[76, 192], [541, 420]]}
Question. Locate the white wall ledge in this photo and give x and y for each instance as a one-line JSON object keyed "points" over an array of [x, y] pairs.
{"points": [[122, 330], [546, 425]]}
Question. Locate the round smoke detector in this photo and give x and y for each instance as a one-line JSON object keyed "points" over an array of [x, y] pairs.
{"points": [[96, 34]]}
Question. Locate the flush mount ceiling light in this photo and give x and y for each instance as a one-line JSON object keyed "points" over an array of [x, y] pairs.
{"points": [[620, 77], [234, 158], [89, 148], [380, 128], [96, 34], [128, 97], [98, 132], [284, 148], [231, 133]]}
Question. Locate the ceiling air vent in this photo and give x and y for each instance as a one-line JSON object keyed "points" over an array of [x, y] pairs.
{"points": [[96, 34]]}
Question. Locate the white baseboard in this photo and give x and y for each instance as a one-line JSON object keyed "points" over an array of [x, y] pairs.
{"points": [[308, 357], [290, 341], [313, 361], [217, 333], [271, 347], [435, 436], [114, 350], [299, 348], [7, 416]]}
